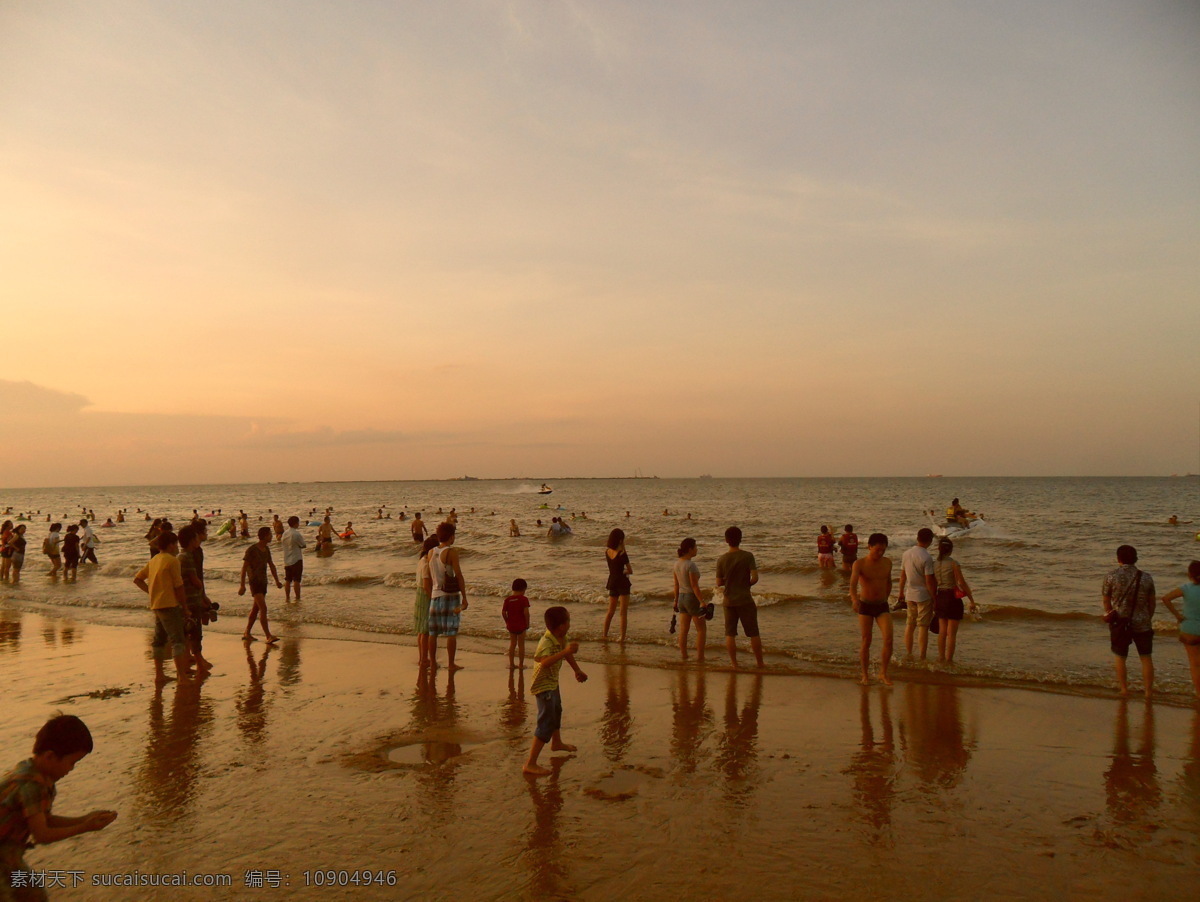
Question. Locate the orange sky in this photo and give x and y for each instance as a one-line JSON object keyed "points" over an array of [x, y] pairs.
{"points": [[281, 241]]}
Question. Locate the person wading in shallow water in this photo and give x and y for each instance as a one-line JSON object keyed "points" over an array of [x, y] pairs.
{"points": [[1129, 602], [619, 586], [737, 571]]}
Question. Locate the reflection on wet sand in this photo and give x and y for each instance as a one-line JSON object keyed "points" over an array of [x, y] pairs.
{"points": [[616, 725], [58, 632], [10, 632], [289, 663], [692, 719], [515, 708], [737, 747], [437, 716], [544, 855], [935, 742], [168, 780], [1131, 789], [873, 768], [1189, 776], [251, 701]]}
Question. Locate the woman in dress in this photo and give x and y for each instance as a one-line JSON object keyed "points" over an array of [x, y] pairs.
{"points": [[619, 572], [689, 600], [1189, 620], [948, 606], [421, 608]]}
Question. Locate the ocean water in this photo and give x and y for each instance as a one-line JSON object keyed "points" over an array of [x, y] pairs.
{"points": [[1035, 569]]}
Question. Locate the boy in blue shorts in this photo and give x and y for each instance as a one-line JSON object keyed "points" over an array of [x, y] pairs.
{"points": [[26, 796], [550, 654]]}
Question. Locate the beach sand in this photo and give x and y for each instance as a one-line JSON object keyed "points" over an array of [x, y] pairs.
{"points": [[325, 753]]}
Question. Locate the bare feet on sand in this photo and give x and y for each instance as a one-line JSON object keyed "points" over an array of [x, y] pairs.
{"points": [[563, 747], [536, 771]]}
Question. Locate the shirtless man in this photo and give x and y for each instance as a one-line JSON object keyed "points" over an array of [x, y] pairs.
{"points": [[870, 586], [418, 529], [325, 538]]}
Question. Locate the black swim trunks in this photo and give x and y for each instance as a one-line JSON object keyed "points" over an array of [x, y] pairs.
{"points": [[873, 609]]}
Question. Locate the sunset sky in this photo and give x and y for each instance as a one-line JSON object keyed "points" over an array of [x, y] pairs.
{"points": [[260, 241]]}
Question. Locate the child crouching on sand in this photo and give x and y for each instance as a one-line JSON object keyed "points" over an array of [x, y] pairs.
{"points": [[26, 795], [550, 654]]}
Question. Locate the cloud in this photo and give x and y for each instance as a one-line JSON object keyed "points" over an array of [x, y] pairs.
{"points": [[24, 399], [321, 437]]}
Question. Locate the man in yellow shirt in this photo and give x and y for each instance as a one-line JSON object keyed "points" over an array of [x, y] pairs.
{"points": [[162, 580]]}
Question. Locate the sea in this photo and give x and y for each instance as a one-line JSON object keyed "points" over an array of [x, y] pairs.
{"points": [[1036, 567]]}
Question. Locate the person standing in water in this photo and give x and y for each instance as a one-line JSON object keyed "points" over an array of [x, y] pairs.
{"points": [[449, 595], [619, 586], [952, 588], [418, 529], [870, 587], [1189, 620], [293, 544], [421, 607], [825, 549], [1129, 601], [737, 571], [87, 542], [917, 590], [848, 543], [689, 600]]}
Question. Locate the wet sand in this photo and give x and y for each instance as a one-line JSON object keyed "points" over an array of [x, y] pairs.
{"points": [[326, 753]]}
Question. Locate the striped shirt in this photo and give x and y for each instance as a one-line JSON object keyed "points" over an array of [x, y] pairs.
{"points": [[545, 676]]}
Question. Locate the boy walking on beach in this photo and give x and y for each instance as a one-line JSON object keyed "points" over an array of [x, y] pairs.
{"points": [[26, 797], [255, 564], [293, 558], [162, 580], [516, 620], [918, 588], [870, 587], [551, 652], [737, 572]]}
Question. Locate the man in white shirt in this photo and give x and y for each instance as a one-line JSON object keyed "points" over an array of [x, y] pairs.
{"points": [[918, 589], [293, 558], [87, 542]]}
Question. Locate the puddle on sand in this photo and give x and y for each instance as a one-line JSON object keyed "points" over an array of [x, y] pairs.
{"points": [[419, 754], [616, 787]]}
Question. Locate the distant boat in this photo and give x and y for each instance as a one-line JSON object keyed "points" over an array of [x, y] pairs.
{"points": [[933, 475], [705, 476], [545, 489], [465, 478]]}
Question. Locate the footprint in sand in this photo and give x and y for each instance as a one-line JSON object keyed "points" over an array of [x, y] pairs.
{"points": [[621, 785]]}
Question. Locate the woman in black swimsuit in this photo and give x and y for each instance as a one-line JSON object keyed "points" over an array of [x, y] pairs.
{"points": [[618, 580]]}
